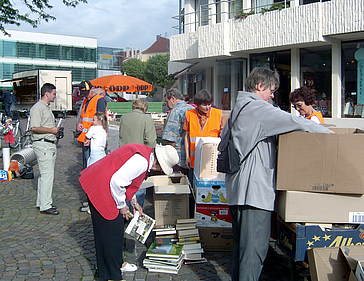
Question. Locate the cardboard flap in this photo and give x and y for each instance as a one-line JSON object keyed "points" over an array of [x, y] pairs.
{"points": [[353, 255], [168, 185]]}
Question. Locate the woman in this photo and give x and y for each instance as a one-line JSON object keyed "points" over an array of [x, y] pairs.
{"points": [[109, 183], [302, 99]]}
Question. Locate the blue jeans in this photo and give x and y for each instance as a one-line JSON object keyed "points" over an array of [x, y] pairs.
{"points": [[140, 196]]}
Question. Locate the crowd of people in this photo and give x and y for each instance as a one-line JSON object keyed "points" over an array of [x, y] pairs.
{"points": [[111, 181]]}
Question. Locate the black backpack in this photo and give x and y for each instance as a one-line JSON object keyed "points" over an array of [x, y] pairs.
{"points": [[26, 171]]}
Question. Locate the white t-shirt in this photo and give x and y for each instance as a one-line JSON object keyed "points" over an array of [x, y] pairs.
{"points": [[97, 134]]}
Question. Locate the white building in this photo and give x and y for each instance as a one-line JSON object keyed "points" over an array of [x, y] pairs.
{"points": [[34, 50], [318, 43]]}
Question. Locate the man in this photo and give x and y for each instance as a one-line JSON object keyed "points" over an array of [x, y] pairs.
{"points": [[110, 183], [44, 145], [173, 131], [92, 103], [251, 190], [137, 127], [7, 101]]}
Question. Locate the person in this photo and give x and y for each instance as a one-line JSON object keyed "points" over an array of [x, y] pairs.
{"points": [[14, 101], [7, 101], [44, 139], [110, 183], [202, 121], [7, 131], [96, 138], [101, 92], [137, 127], [251, 190], [187, 100], [302, 100], [173, 131], [92, 103]]}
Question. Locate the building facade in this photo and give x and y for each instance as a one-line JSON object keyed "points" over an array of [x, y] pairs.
{"points": [[33, 50], [317, 43]]}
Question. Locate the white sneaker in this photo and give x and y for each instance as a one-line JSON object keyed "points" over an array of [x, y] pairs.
{"points": [[128, 267]]}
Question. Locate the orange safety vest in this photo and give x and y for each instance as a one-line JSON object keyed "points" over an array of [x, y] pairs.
{"points": [[318, 114], [212, 128], [88, 116]]}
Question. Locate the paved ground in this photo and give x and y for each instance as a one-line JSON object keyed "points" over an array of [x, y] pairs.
{"points": [[43, 247]]}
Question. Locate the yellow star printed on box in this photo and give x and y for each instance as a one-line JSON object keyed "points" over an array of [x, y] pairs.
{"points": [[316, 238], [327, 237], [310, 243]]}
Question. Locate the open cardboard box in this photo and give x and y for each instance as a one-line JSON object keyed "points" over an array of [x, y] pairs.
{"points": [[354, 256], [330, 163]]}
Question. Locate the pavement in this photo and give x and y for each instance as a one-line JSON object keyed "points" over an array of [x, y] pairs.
{"points": [[35, 246]]}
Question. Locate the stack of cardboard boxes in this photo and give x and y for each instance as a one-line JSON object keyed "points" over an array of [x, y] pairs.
{"points": [[320, 183], [212, 212]]}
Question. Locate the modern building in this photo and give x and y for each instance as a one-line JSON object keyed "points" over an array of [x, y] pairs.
{"points": [[34, 50], [109, 61], [159, 47], [317, 43]]}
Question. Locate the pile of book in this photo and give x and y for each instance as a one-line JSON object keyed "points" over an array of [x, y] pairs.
{"points": [[188, 236], [165, 234], [166, 258]]}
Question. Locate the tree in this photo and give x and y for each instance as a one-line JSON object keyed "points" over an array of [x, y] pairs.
{"points": [[157, 70], [134, 67], [11, 15]]}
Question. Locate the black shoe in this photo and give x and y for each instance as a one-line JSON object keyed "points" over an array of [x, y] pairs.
{"points": [[50, 211], [53, 207]]}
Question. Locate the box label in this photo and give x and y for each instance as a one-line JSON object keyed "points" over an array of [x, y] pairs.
{"points": [[356, 217], [213, 216]]}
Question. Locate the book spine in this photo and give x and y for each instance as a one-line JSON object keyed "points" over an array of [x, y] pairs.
{"points": [[186, 239], [162, 240]]}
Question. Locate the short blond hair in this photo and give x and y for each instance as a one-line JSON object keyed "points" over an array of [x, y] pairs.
{"points": [[140, 104]]}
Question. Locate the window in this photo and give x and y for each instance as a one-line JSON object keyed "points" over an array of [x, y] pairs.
{"points": [[24, 50], [52, 52], [9, 48], [66, 53]]}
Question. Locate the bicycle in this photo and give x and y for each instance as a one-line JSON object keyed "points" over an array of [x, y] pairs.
{"points": [[22, 139]]}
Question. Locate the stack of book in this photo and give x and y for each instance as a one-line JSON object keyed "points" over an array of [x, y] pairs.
{"points": [[166, 258], [188, 236], [165, 234]]}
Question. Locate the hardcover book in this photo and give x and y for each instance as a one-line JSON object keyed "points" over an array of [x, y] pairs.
{"points": [[168, 251], [140, 227]]}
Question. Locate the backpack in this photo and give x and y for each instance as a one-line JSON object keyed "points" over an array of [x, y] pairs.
{"points": [[26, 171]]}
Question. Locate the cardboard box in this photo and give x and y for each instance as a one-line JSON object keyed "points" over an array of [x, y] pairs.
{"points": [[209, 191], [170, 199], [206, 157], [213, 215], [297, 206], [327, 264], [225, 115], [330, 163], [354, 256], [295, 239], [216, 239]]}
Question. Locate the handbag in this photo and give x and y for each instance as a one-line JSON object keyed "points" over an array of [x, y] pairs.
{"points": [[228, 159]]}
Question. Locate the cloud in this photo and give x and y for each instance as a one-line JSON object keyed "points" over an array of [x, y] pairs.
{"points": [[115, 23]]}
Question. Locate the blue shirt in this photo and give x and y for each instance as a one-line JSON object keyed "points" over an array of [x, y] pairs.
{"points": [[173, 130]]}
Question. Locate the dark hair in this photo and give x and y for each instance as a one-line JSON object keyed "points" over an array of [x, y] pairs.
{"points": [[202, 97], [174, 93], [267, 77], [47, 87], [102, 117], [304, 94], [186, 98]]}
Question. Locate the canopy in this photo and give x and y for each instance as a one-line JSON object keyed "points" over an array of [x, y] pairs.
{"points": [[121, 83]]}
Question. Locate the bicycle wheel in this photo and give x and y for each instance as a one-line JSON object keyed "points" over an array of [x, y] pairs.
{"points": [[17, 132], [26, 139]]}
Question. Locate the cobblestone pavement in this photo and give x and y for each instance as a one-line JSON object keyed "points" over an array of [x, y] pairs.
{"points": [[43, 247]]}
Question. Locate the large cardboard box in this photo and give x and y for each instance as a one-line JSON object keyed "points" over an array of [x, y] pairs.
{"points": [[300, 206], [295, 239], [327, 264], [206, 157], [213, 215], [209, 191], [170, 199], [330, 163], [354, 256], [216, 239]]}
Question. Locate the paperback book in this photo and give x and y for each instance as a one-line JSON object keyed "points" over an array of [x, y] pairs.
{"points": [[188, 233], [167, 251], [140, 227]]}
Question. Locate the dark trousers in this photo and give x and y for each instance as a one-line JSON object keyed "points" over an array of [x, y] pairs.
{"points": [[86, 150], [109, 242], [251, 234]]}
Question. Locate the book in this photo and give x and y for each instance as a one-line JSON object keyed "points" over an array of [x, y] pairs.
{"points": [[193, 256], [168, 251], [166, 240], [192, 261], [192, 249], [186, 243], [192, 220], [140, 227], [164, 227], [188, 233], [185, 226], [192, 238], [165, 232], [152, 260], [163, 270]]}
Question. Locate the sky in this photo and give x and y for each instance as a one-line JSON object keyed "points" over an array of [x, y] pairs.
{"points": [[115, 23]]}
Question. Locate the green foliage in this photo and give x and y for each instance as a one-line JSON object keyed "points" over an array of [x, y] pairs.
{"points": [[134, 67], [277, 6], [243, 15], [157, 71], [10, 15]]}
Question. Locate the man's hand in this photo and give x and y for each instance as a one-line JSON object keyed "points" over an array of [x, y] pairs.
{"points": [[79, 127], [55, 130], [124, 212], [188, 162], [86, 142]]}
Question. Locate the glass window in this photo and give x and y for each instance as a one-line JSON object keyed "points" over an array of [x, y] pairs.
{"points": [[24, 50], [52, 52], [1, 48], [8, 70], [316, 74], [66, 53], [9, 48], [90, 55], [235, 7], [22, 67], [78, 54], [39, 51]]}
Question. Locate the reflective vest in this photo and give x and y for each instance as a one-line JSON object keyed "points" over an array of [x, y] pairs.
{"points": [[211, 129], [88, 116], [318, 114]]}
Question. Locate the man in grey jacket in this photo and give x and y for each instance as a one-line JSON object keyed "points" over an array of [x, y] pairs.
{"points": [[251, 190]]}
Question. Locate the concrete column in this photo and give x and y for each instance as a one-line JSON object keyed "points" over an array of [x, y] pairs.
{"points": [[212, 12], [295, 72], [234, 83], [336, 98], [215, 82], [224, 11], [189, 16]]}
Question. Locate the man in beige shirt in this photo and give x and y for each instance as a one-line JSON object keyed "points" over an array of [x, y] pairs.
{"points": [[44, 139]]}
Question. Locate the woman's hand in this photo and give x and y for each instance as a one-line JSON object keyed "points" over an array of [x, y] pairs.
{"points": [[138, 208], [124, 212]]}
